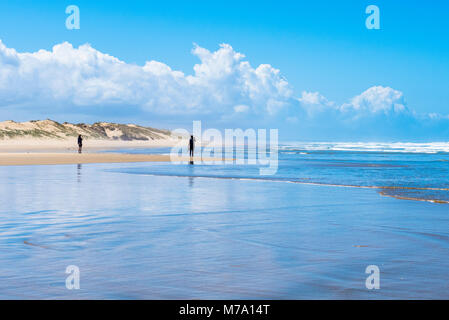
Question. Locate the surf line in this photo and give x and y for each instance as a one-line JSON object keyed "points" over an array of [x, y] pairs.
{"points": [[412, 198], [295, 181], [322, 184]]}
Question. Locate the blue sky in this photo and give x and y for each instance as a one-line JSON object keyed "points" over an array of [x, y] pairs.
{"points": [[319, 46]]}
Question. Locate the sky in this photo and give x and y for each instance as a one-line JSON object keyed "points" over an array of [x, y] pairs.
{"points": [[309, 68]]}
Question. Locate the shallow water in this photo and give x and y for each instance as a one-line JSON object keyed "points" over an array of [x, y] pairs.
{"points": [[391, 171], [164, 231]]}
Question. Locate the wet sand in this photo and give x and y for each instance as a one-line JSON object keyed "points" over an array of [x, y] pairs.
{"points": [[136, 235], [21, 159]]}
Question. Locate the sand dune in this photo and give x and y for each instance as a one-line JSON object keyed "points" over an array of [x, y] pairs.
{"points": [[52, 136], [52, 130]]}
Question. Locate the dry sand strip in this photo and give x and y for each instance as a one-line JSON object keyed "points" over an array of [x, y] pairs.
{"points": [[23, 159]]}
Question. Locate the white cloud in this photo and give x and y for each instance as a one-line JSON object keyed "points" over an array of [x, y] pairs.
{"points": [[223, 87], [223, 82], [377, 99], [374, 100], [86, 77], [241, 108], [314, 102]]}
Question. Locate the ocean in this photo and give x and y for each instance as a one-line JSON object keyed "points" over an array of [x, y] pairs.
{"points": [[200, 231]]}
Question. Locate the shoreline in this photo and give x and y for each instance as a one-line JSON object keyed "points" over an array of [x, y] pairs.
{"points": [[66, 146], [378, 189], [41, 158]]}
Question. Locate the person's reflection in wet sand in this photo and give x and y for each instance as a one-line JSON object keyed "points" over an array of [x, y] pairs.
{"points": [[79, 172], [191, 173]]}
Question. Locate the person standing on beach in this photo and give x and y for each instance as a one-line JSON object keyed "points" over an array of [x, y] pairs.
{"points": [[80, 143], [191, 145]]}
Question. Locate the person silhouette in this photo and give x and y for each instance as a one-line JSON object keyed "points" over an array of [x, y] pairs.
{"points": [[191, 145], [80, 144]]}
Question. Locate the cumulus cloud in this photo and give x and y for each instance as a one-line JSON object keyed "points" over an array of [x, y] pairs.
{"points": [[84, 76], [377, 113], [223, 86], [378, 99], [374, 100], [222, 82], [241, 108], [314, 102]]}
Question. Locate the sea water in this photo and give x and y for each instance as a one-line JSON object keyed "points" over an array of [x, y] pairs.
{"points": [[164, 231]]}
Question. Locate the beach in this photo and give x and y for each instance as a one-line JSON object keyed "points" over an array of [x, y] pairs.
{"points": [[227, 152], [54, 152], [136, 232], [45, 158], [70, 145], [146, 228]]}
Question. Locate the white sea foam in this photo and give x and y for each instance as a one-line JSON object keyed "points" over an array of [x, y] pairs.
{"points": [[405, 147]]}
